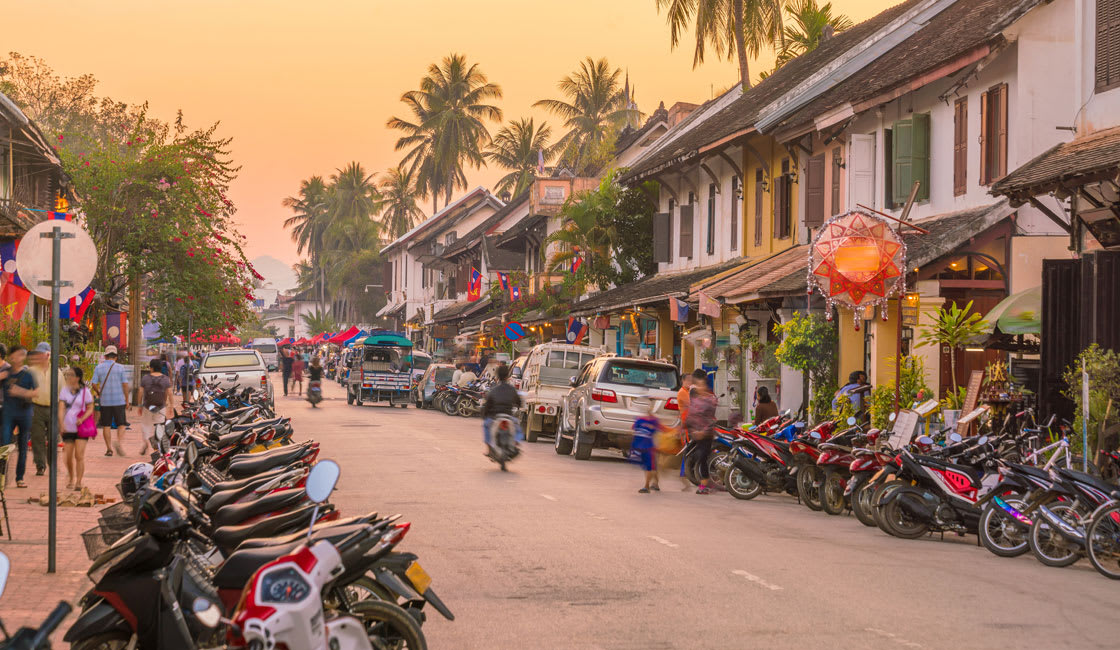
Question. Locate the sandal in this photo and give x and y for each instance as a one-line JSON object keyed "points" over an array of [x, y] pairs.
{"points": [[108, 452], [20, 484]]}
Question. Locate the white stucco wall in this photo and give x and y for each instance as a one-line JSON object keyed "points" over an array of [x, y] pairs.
{"points": [[725, 198]]}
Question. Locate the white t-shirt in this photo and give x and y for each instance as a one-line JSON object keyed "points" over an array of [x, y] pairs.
{"points": [[465, 379], [76, 404]]}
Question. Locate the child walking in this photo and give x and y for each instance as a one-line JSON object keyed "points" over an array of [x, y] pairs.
{"points": [[645, 427]]}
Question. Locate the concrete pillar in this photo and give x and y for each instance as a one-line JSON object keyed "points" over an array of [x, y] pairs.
{"points": [[790, 385]]}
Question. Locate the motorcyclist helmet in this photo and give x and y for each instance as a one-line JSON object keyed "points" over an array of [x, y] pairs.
{"points": [[135, 478]]}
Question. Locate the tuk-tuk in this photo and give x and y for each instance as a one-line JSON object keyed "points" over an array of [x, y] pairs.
{"points": [[380, 370]]}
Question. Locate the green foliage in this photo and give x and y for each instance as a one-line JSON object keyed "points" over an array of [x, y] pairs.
{"points": [[763, 360], [518, 148], [1103, 410], [882, 405], [320, 323], [912, 388], [953, 328], [954, 399], [809, 344], [807, 29]]}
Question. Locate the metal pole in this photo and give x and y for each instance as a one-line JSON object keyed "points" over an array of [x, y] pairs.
{"points": [[1084, 418], [52, 445]]}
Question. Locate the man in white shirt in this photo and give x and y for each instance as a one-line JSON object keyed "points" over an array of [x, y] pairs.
{"points": [[466, 378], [457, 374]]}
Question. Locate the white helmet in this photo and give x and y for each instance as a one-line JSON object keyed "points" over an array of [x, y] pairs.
{"points": [[135, 478]]}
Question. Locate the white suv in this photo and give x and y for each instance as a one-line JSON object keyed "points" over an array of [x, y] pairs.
{"points": [[236, 368]]}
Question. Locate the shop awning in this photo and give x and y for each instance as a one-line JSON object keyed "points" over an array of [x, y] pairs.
{"points": [[388, 309], [460, 310], [1063, 167], [1020, 313], [650, 289], [342, 337]]}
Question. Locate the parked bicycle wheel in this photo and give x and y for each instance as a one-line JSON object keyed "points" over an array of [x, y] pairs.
{"points": [[1103, 541]]}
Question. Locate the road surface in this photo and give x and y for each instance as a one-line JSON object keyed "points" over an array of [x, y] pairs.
{"points": [[559, 553]]}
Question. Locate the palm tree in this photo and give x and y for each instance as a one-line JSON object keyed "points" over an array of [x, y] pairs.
{"points": [[739, 28], [310, 221], [808, 28], [354, 195], [595, 108], [586, 234], [399, 195], [352, 251], [447, 131], [320, 322], [519, 147]]}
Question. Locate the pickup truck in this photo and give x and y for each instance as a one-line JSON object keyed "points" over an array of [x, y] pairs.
{"points": [[236, 368], [545, 381]]}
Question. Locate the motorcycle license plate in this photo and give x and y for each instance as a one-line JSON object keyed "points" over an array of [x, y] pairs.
{"points": [[419, 577]]}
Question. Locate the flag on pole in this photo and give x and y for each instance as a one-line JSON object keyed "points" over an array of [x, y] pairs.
{"points": [[63, 216], [115, 329], [8, 251], [503, 279], [577, 262], [709, 306], [474, 285], [577, 329], [679, 309], [75, 308], [514, 293], [13, 299]]}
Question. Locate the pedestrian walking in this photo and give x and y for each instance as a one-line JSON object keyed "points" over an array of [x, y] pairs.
{"points": [[78, 424], [110, 386], [683, 396], [287, 360], [764, 407], [701, 423], [297, 374], [39, 365], [155, 393], [19, 388], [645, 428]]}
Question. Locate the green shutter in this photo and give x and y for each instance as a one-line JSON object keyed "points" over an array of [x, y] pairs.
{"points": [[902, 166], [919, 157]]}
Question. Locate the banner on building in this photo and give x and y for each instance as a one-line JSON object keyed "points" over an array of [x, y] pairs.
{"points": [[503, 279], [13, 299], [474, 285]]}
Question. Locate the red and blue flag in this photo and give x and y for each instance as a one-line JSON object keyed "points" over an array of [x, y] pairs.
{"points": [[474, 285], [577, 262], [577, 329], [75, 308], [514, 293], [503, 279]]}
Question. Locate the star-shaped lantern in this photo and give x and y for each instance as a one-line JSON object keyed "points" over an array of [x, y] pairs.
{"points": [[857, 260]]}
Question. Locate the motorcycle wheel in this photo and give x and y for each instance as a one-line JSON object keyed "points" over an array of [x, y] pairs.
{"points": [[876, 496], [718, 467], [862, 505], [831, 493], [108, 641], [742, 486], [366, 588], [389, 626], [1000, 533], [690, 472], [1103, 542], [900, 523], [808, 492], [449, 407], [1048, 545]]}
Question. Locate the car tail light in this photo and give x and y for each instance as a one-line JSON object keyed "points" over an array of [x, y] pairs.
{"points": [[540, 409], [264, 381], [672, 405], [604, 395]]}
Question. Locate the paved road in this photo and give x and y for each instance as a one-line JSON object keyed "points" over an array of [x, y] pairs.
{"points": [[566, 554]]}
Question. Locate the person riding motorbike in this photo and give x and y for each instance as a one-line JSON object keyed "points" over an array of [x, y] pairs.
{"points": [[315, 383], [501, 400]]}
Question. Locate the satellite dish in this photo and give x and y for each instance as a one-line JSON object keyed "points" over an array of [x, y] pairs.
{"points": [[78, 260]]}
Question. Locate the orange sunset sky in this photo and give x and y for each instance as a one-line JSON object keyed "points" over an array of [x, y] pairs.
{"points": [[305, 87]]}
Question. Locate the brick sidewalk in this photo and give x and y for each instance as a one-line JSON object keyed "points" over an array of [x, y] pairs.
{"points": [[31, 592]]}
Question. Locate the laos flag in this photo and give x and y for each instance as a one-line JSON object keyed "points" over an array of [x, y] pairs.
{"points": [[514, 293], [75, 308], [503, 279], [576, 330]]}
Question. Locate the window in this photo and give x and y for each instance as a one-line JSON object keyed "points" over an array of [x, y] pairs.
{"points": [[450, 238], [837, 164], [636, 373], [888, 169], [1108, 45], [782, 186], [232, 360], [736, 200], [662, 250], [814, 191], [910, 156], [685, 248], [960, 146], [993, 134], [759, 187], [711, 236]]}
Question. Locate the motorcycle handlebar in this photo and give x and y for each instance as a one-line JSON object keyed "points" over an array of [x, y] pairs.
{"points": [[52, 621]]}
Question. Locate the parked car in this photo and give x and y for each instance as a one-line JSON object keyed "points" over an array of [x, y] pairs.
{"points": [[517, 371], [236, 368], [269, 352], [437, 374], [420, 361], [605, 398], [544, 382]]}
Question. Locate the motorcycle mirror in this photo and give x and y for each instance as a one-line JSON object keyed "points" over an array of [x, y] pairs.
{"points": [[321, 480], [815, 435], [192, 453], [5, 566], [194, 395], [209, 406], [955, 437], [982, 440], [851, 421], [206, 612], [785, 413], [892, 416], [925, 440]]}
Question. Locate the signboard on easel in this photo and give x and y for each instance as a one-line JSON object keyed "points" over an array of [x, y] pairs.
{"points": [[971, 396], [905, 426]]}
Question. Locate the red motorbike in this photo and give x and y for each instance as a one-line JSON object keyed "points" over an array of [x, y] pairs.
{"points": [[805, 455]]}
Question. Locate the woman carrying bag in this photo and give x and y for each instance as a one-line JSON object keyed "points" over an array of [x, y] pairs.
{"points": [[78, 424]]}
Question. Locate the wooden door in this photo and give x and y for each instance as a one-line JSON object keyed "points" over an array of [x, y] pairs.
{"points": [[982, 303]]}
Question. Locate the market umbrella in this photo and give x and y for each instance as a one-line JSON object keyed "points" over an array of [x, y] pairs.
{"points": [[1019, 313]]}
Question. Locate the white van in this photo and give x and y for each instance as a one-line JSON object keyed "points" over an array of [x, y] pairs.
{"points": [[267, 348], [545, 380]]}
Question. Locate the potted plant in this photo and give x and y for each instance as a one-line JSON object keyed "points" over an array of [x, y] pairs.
{"points": [[952, 328]]}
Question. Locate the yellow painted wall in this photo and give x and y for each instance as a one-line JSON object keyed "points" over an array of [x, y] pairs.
{"points": [[665, 327], [851, 347], [774, 153]]}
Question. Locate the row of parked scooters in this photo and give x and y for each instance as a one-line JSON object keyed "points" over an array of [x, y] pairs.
{"points": [[1003, 485], [228, 539], [465, 401]]}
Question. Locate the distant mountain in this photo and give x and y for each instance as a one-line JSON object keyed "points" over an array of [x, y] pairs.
{"points": [[278, 276]]}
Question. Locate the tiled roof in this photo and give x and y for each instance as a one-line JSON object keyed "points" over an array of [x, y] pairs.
{"points": [[438, 217], [758, 277], [487, 225], [1085, 156], [460, 310], [501, 259], [520, 228], [948, 231], [629, 136], [660, 286]]}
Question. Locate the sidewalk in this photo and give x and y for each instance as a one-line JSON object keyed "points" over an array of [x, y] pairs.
{"points": [[31, 592]]}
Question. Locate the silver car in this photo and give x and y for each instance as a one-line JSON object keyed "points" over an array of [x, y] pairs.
{"points": [[607, 395]]}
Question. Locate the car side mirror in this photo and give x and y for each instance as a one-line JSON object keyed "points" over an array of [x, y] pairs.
{"points": [[572, 381]]}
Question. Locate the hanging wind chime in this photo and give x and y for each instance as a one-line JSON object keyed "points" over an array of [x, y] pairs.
{"points": [[857, 261]]}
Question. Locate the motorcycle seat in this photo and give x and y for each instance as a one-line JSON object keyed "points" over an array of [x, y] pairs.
{"points": [[240, 566], [233, 414], [228, 537], [1091, 481], [259, 424], [237, 484], [226, 440], [239, 512], [248, 464]]}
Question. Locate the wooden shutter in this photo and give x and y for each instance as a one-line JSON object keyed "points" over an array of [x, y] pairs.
{"points": [[814, 191], [960, 146], [685, 250], [861, 171], [1107, 50], [758, 190], [781, 206], [710, 236], [984, 119], [836, 160], [902, 147], [736, 202], [662, 252], [1001, 131], [461, 276], [387, 277], [919, 157]]}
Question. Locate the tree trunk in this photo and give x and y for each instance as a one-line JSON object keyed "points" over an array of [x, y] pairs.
{"points": [[135, 332], [741, 45]]}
